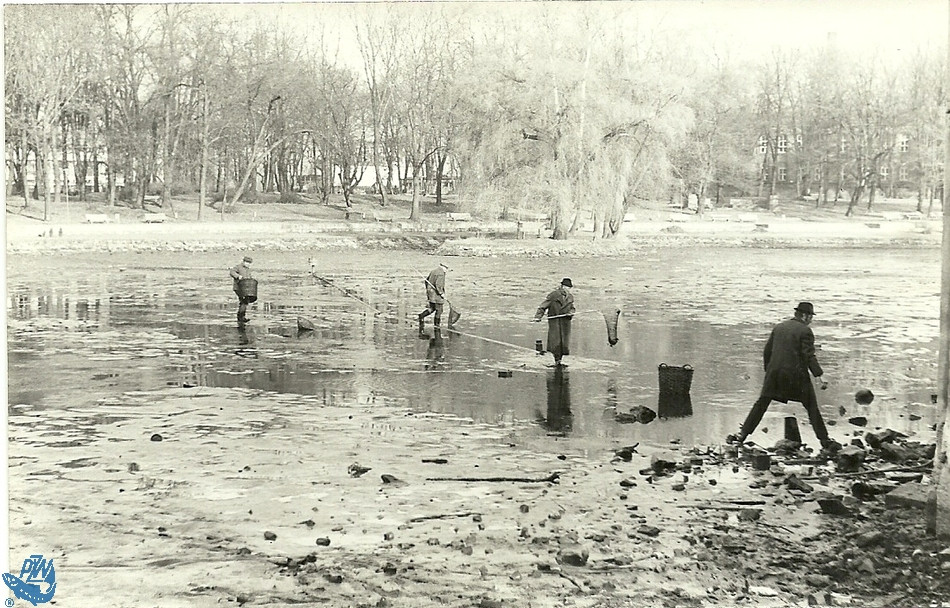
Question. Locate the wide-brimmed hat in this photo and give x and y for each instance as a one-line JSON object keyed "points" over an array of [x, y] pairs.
{"points": [[248, 259], [805, 308], [567, 282]]}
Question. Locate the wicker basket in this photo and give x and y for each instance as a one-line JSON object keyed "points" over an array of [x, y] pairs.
{"points": [[675, 380], [247, 288], [674, 400]]}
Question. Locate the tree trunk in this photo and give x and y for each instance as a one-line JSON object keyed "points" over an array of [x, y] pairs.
{"points": [[203, 170], [26, 164], [166, 153], [440, 169], [872, 190], [47, 178], [416, 212]]}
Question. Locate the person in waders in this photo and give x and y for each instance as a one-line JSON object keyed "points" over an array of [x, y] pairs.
{"points": [[560, 308], [242, 271], [789, 355], [435, 294]]}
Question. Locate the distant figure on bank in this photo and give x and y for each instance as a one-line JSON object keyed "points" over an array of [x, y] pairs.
{"points": [[242, 271], [789, 355], [435, 294], [560, 308]]}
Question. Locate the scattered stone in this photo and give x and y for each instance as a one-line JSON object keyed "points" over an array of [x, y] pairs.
{"points": [[639, 413], [651, 531], [833, 506], [914, 417], [895, 453], [887, 436], [573, 555], [850, 459], [356, 470], [626, 453], [901, 478], [678, 487], [270, 536], [761, 461], [388, 536], [628, 483], [156, 437], [865, 565], [661, 463], [389, 568], [323, 541], [749, 514], [309, 523], [334, 578], [863, 490], [763, 591], [393, 481], [864, 396], [910, 496], [524, 508], [795, 483], [712, 482], [435, 460], [433, 542], [856, 442], [858, 421], [133, 467]]}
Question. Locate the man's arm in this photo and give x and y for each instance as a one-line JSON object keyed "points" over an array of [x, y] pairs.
{"points": [[808, 353], [542, 308], [767, 351]]}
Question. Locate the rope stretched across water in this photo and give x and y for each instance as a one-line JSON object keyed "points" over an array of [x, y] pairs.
{"points": [[611, 322]]}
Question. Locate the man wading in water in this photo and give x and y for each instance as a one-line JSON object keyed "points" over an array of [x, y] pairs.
{"points": [[789, 355], [242, 271], [435, 294], [560, 307]]}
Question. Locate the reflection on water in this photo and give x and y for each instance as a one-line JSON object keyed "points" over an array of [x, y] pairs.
{"points": [[163, 322], [558, 418]]}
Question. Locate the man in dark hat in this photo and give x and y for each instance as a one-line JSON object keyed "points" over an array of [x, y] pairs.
{"points": [[435, 294], [560, 308], [789, 355], [242, 271]]}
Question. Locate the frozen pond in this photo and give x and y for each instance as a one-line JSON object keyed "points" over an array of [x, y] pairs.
{"points": [[89, 326]]}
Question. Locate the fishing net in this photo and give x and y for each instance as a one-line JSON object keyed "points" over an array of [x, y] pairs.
{"points": [[454, 315], [610, 318]]}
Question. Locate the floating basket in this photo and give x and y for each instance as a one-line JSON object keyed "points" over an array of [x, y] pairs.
{"points": [[674, 400], [675, 380], [610, 318], [247, 288]]}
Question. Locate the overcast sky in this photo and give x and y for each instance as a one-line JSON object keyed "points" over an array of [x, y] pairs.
{"points": [[888, 28]]}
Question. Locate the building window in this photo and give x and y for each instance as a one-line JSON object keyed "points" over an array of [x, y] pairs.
{"points": [[763, 146], [782, 145], [902, 173], [817, 174], [781, 173], [798, 140], [883, 174], [902, 143]]}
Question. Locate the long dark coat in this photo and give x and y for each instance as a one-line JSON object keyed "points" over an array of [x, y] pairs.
{"points": [[789, 355], [559, 302]]}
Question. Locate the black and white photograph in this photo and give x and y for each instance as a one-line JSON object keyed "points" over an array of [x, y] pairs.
{"points": [[501, 304]]}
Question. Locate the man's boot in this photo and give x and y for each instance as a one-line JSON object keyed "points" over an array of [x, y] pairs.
{"points": [[422, 322]]}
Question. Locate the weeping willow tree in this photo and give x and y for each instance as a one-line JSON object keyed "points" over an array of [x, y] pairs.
{"points": [[577, 120]]}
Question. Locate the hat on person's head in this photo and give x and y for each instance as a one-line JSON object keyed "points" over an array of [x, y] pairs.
{"points": [[567, 282], [444, 265], [805, 308], [248, 259]]}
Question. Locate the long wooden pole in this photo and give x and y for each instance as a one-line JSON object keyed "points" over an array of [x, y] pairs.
{"points": [[940, 519]]}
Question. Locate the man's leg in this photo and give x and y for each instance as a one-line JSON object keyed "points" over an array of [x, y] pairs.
{"points": [[814, 416], [755, 416], [422, 315], [438, 315]]}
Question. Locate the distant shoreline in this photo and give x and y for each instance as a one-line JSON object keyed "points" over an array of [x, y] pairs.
{"points": [[459, 239]]}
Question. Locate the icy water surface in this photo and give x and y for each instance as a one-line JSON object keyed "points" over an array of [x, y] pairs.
{"points": [[86, 327]]}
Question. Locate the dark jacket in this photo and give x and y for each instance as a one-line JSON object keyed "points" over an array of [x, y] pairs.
{"points": [[241, 271], [435, 285], [789, 355], [559, 302]]}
